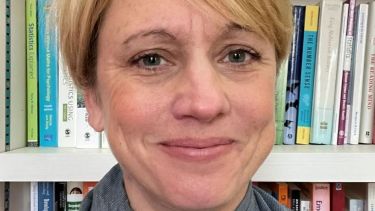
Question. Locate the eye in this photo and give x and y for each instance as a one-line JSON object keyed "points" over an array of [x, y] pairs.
{"points": [[241, 56], [149, 61]]}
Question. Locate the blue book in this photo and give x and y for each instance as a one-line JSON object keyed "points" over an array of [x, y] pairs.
{"points": [[48, 72], [307, 74], [46, 193], [293, 79]]}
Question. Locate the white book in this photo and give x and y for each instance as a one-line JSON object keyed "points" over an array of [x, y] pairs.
{"points": [[19, 196], [2, 76], [366, 129], [74, 195], [33, 196], [357, 72], [371, 196], [87, 137], [325, 72], [105, 144], [305, 205], [67, 108], [344, 22]]}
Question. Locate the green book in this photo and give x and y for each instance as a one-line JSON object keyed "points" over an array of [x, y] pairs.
{"points": [[32, 72], [280, 97]]}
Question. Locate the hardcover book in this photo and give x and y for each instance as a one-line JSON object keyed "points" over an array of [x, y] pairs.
{"points": [[280, 101], [325, 71], [294, 74], [337, 197]]}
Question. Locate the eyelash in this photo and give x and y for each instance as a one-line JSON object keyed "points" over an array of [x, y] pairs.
{"points": [[254, 55]]}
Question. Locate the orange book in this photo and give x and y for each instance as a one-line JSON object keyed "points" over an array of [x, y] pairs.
{"points": [[280, 192], [87, 186]]}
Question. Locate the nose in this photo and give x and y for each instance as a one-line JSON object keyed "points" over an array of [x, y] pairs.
{"points": [[200, 94]]}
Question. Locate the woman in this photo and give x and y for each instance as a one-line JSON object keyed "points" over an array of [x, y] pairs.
{"points": [[185, 93]]}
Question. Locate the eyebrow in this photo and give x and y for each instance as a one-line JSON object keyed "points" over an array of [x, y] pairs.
{"points": [[159, 32]]}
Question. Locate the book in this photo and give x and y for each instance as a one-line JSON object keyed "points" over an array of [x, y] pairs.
{"points": [[337, 196], [340, 67], [60, 196], [325, 71], [371, 196], [67, 108], [19, 196], [87, 187], [355, 194], [75, 196], [294, 197], [293, 78], [280, 192], [2, 75], [15, 76], [48, 75], [33, 196], [280, 96], [2, 192], [87, 137], [367, 115], [46, 196], [345, 80], [307, 74], [32, 73], [357, 73], [321, 196]]}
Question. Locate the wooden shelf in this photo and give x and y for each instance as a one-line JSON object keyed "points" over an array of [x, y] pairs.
{"points": [[310, 163]]}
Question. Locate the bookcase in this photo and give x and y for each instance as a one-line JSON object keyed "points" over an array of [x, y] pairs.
{"points": [[295, 163]]}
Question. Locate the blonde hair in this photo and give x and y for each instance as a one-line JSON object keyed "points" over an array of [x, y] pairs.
{"points": [[79, 26]]}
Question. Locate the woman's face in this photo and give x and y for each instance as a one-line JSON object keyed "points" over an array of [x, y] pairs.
{"points": [[186, 99]]}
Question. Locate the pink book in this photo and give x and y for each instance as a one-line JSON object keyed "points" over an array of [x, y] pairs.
{"points": [[346, 73], [321, 196]]}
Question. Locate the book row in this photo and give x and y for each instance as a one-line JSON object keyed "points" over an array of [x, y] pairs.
{"points": [[39, 104], [325, 91], [67, 196]]}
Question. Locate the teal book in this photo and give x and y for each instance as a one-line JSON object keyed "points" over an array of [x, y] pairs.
{"points": [[48, 76]]}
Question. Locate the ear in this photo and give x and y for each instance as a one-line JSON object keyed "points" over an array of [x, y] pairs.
{"points": [[94, 110]]}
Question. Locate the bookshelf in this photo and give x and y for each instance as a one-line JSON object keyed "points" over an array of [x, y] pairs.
{"points": [[299, 163]]}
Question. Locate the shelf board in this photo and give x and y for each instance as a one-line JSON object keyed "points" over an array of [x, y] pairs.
{"points": [[299, 163]]}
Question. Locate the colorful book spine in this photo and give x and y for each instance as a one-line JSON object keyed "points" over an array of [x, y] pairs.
{"points": [[369, 82], [32, 73], [67, 108], [2, 75], [48, 71], [325, 71], [46, 195], [335, 124], [357, 73], [294, 74], [280, 101], [337, 196], [321, 196], [346, 73], [307, 74], [87, 187], [75, 196], [280, 192]]}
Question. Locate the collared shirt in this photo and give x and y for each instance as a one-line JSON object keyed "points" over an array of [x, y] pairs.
{"points": [[109, 194]]}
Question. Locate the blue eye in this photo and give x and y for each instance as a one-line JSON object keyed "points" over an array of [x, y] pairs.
{"points": [[151, 60], [241, 56], [237, 56]]}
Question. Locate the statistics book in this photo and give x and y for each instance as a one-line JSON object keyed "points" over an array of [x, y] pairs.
{"points": [[346, 73], [294, 74], [307, 74], [340, 67], [325, 71], [15, 75], [356, 86], [48, 71], [367, 115], [32, 73], [280, 101], [67, 108]]}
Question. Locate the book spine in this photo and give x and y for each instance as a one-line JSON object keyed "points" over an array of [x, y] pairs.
{"points": [[337, 197], [307, 74], [325, 71], [32, 73], [74, 196], [371, 196], [60, 196], [67, 108], [33, 196], [321, 196], [280, 101], [46, 196], [293, 81], [357, 73], [87, 187], [369, 82], [346, 73], [3, 44], [344, 22], [48, 74]]}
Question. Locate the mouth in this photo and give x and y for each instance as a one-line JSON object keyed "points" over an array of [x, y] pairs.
{"points": [[197, 149]]}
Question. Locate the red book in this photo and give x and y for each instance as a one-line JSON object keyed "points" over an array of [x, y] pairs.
{"points": [[337, 197], [321, 196], [87, 186]]}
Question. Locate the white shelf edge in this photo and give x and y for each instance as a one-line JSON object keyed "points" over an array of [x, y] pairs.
{"points": [[298, 163]]}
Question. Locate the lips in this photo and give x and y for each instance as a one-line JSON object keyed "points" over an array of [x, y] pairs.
{"points": [[197, 149]]}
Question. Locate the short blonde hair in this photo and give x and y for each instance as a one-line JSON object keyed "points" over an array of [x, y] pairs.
{"points": [[79, 26]]}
